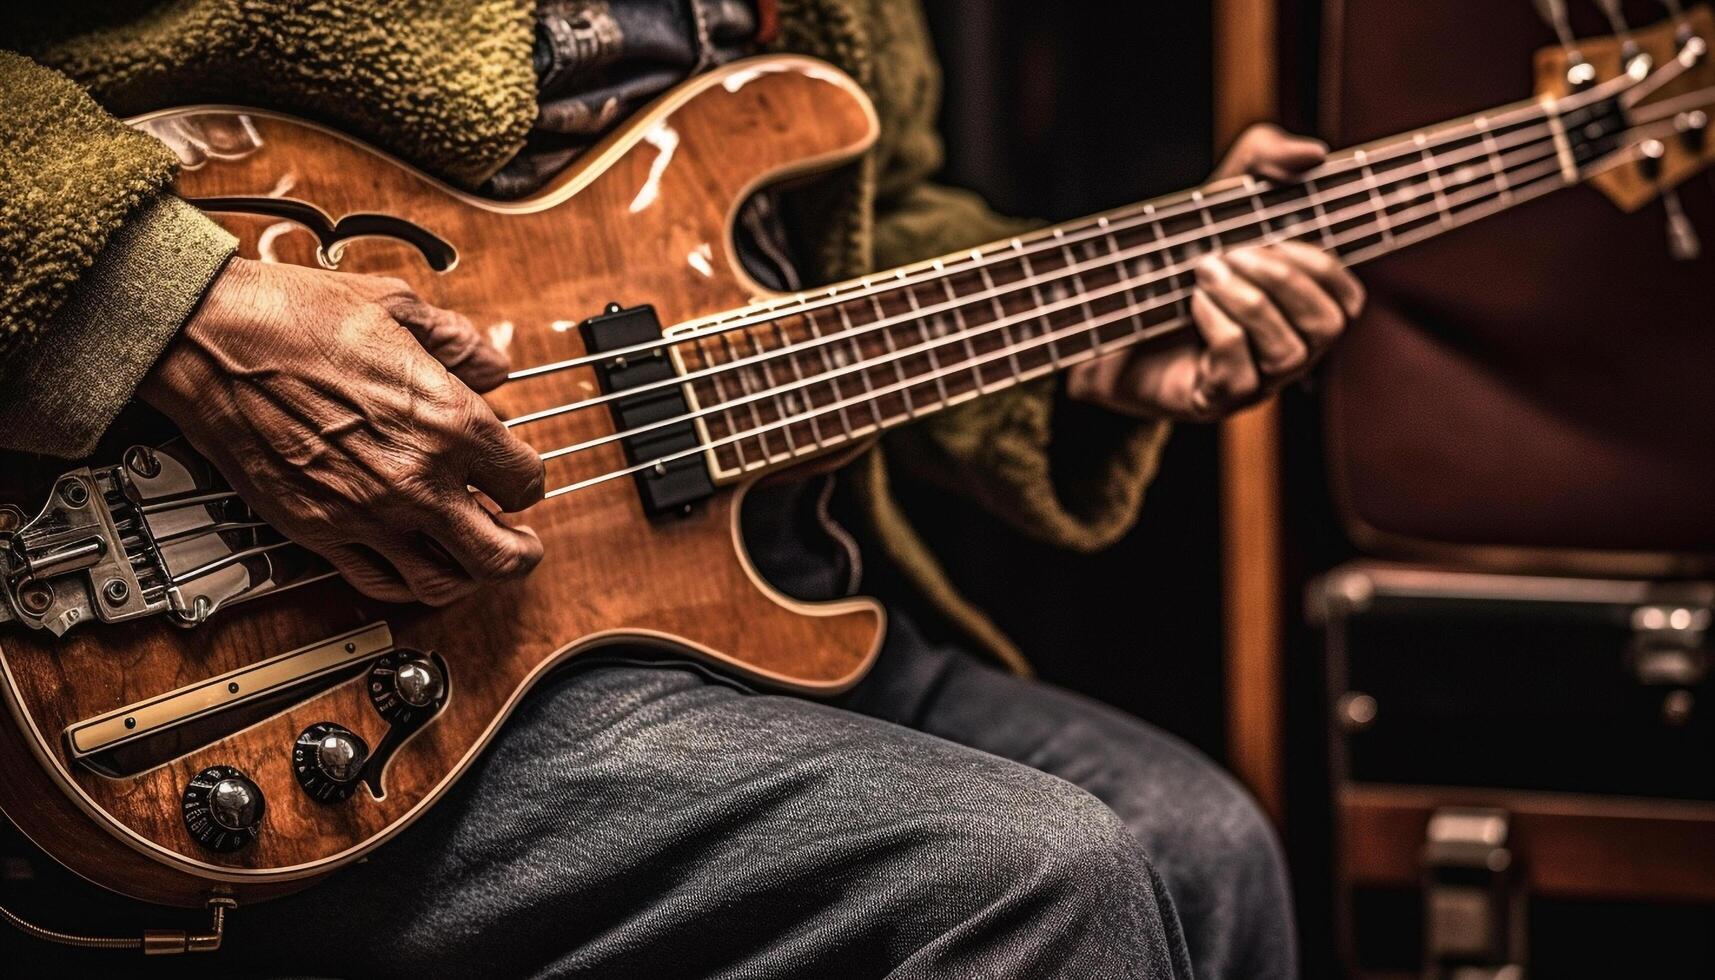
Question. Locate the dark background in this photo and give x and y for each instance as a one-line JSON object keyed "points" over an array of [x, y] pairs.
{"points": [[1056, 111]]}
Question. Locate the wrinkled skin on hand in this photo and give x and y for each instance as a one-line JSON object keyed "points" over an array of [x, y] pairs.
{"points": [[344, 409], [1264, 315]]}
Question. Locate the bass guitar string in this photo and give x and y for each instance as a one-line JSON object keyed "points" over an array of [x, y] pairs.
{"points": [[1248, 221], [928, 348], [1127, 219], [1541, 180]]}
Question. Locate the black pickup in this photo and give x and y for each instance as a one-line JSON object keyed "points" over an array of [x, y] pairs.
{"points": [[674, 486]]}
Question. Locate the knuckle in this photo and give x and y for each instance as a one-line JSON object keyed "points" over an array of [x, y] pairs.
{"points": [[1252, 305], [441, 590], [1285, 359]]}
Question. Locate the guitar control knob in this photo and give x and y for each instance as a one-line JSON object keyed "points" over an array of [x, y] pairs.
{"points": [[223, 809], [235, 803], [327, 759], [408, 687], [339, 755], [418, 682]]}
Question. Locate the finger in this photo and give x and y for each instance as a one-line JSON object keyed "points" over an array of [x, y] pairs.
{"points": [[1331, 273], [1308, 308], [1166, 380], [488, 550], [366, 573], [431, 582], [505, 467], [1226, 372], [450, 337], [1268, 151], [1278, 348]]}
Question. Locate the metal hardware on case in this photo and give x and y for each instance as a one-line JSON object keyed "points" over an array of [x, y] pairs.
{"points": [[1474, 902], [1356, 711], [156, 534]]}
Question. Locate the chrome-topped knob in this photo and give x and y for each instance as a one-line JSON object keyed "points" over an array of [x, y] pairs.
{"points": [[340, 756], [235, 803], [328, 761], [418, 682], [222, 809]]}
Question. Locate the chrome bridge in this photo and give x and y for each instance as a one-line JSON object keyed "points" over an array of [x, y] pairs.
{"points": [[156, 535]]}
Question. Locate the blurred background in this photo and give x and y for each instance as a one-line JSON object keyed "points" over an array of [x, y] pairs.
{"points": [[1486, 739]]}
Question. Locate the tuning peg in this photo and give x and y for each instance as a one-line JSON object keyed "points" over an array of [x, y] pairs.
{"points": [[1579, 72], [1682, 241], [1617, 20]]}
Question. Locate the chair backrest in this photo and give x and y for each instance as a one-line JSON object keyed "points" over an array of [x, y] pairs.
{"points": [[1536, 392]]}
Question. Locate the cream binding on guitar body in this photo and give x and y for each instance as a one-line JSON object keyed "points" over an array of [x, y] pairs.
{"points": [[196, 709]]}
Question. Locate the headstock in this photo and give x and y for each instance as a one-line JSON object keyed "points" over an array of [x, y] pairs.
{"points": [[1668, 100]]}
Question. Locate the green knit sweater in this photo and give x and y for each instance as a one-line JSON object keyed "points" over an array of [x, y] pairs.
{"points": [[100, 264]]}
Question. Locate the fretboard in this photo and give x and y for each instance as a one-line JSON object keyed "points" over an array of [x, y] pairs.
{"points": [[796, 376]]}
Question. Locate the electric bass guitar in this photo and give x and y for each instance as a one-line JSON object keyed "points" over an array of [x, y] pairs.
{"points": [[198, 711]]}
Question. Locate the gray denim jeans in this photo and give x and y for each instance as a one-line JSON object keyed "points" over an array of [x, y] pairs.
{"points": [[946, 820]]}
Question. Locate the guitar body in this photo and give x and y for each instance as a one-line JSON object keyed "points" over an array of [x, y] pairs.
{"points": [[645, 218]]}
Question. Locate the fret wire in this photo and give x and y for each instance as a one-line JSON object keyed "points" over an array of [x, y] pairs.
{"points": [[1369, 180], [964, 330], [887, 341], [1379, 249], [1036, 296], [999, 315], [744, 386], [1129, 295], [1489, 147], [828, 362], [772, 385], [1428, 157], [1251, 188], [923, 331], [862, 372], [726, 411], [798, 375], [1077, 286], [1321, 213]]}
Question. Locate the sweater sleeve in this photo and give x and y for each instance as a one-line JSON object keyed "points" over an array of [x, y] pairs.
{"points": [[1058, 470], [99, 264]]}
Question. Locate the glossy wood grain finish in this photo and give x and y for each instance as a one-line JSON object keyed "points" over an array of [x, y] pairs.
{"points": [[644, 219]]}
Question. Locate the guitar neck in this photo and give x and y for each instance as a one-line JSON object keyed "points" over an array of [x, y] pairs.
{"points": [[893, 347]]}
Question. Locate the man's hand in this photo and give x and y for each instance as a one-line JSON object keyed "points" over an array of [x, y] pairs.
{"points": [[1263, 315], [341, 408]]}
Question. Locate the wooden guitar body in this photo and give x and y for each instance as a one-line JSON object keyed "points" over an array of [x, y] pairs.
{"points": [[645, 218]]}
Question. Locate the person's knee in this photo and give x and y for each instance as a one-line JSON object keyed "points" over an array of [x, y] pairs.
{"points": [[1043, 868]]}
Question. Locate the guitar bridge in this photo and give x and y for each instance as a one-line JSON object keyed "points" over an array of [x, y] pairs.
{"points": [[156, 535]]}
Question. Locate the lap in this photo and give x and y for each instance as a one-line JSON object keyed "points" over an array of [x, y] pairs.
{"points": [[630, 818]]}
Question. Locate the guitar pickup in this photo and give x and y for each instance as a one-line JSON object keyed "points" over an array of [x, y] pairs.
{"points": [[671, 486]]}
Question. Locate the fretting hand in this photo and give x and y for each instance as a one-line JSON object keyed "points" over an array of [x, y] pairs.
{"points": [[341, 407], [1264, 314]]}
